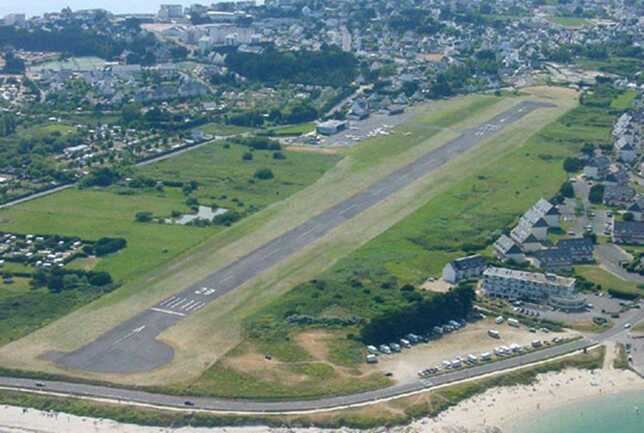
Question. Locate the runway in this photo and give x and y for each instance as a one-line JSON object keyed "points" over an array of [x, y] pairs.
{"points": [[131, 347]]}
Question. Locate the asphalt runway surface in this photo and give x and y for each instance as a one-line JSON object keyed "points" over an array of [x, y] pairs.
{"points": [[131, 347]]}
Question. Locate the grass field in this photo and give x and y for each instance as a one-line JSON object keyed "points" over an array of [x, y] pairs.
{"points": [[624, 101], [292, 130], [607, 280], [206, 336], [220, 129], [569, 21]]}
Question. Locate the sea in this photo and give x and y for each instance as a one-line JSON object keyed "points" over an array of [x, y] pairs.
{"points": [[39, 7], [620, 413]]}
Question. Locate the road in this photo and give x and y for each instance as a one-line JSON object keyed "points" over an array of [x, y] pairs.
{"points": [[132, 396], [132, 347]]}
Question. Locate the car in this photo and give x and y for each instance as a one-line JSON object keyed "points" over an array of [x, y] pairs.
{"points": [[627, 325], [40, 385], [188, 403]]}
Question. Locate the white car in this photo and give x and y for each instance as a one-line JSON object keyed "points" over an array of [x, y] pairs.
{"points": [[627, 325]]}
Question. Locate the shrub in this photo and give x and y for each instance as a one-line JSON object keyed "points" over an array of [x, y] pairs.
{"points": [[143, 217], [264, 174], [105, 246]]}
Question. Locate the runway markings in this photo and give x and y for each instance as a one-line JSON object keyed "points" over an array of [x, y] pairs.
{"points": [[173, 313], [129, 334]]}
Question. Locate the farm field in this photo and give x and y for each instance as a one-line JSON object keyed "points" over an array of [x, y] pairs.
{"points": [[218, 328]]}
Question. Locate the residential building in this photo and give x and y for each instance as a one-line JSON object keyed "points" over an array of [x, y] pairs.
{"points": [[618, 195], [580, 250], [532, 286], [170, 12], [597, 168], [553, 260], [628, 232], [506, 249], [637, 209], [464, 268]]}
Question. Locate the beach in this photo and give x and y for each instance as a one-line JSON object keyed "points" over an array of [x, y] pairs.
{"points": [[496, 410]]}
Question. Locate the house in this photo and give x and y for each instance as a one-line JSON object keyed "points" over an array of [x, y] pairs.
{"points": [[331, 127], [506, 249], [618, 195], [548, 212], [580, 250], [628, 232], [464, 268], [597, 168], [625, 149], [553, 260], [533, 286], [524, 237], [637, 209], [359, 110]]}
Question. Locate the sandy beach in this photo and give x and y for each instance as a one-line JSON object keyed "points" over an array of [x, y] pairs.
{"points": [[486, 413]]}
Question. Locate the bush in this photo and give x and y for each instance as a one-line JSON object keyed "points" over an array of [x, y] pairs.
{"points": [[278, 155], [99, 279], [227, 218], [567, 190], [143, 217], [247, 156], [264, 174], [105, 246]]}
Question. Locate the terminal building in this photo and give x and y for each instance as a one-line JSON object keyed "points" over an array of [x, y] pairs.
{"points": [[553, 289]]}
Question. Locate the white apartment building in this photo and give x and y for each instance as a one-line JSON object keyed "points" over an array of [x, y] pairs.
{"points": [[536, 287]]}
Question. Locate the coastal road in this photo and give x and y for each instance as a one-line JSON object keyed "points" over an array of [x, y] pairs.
{"points": [[132, 396], [132, 347]]}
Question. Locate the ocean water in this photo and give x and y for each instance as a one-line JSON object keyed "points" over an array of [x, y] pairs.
{"points": [[621, 413]]}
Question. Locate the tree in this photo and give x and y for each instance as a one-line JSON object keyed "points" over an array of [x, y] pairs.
{"points": [[572, 165], [264, 174], [628, 216], [596, 194], [247, 156], [567, 190]]}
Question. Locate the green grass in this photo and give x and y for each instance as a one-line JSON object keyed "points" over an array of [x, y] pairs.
{"points": [[220, 129], [292, 130], [607, 280], [227, 181], [624, 101], [621, 360], [569, 21]]}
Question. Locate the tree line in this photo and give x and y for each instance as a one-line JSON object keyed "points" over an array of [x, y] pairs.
{"points": [[328, 67], [421, 316]]}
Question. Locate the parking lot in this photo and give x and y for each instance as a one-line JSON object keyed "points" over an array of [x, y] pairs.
{"points": [[603, 306], [471, 339]]}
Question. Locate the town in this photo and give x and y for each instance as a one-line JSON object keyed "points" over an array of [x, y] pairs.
{"points": [[307, 213]]}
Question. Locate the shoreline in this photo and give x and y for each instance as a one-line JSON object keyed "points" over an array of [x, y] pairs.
{"points": [[485, 413]]}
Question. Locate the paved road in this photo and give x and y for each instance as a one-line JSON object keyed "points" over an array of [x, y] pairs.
{"points": [[247, 406], [132, 346]]}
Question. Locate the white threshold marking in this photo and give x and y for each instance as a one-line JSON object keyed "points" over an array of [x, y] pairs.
{"points": [[172, 313]]}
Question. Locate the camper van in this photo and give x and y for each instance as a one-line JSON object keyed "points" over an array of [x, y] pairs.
{"points": [[493, 333]]}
